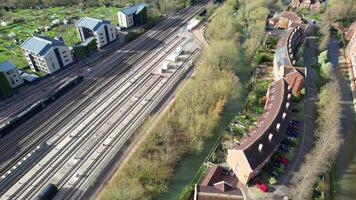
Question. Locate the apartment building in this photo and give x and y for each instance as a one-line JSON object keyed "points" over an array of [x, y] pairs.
{"points": [[255, 150], [11, 73], [133, 16], [102, 30], [46, 54], [286, 50]]}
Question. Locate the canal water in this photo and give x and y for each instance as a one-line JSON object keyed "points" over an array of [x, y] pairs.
{"points": [[188, 167], [346, 160]]}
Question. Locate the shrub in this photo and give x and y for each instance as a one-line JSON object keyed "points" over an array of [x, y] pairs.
{"points": [[272, 180]]}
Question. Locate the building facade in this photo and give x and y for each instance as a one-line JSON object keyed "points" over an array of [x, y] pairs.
{"points": [[11, 73], [46, 54], [101, 30], [133, 16]]}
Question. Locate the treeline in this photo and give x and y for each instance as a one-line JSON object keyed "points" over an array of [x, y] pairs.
{"points": [[189, 121], [164, 5], [327, 143], [338, 11], [252, 17], [196, 110]]}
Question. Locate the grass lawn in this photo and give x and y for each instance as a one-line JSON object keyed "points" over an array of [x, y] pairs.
{"points": [[23, 22]]}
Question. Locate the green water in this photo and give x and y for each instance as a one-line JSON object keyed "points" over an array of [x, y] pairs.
{"points": [[188, 167]]}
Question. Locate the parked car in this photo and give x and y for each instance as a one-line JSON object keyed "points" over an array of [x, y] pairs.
{"points": [[293, 126], [272, 172], [296, 122], [262, 186], [282, 160], [295, 110], [292, 133], [284, 148]]}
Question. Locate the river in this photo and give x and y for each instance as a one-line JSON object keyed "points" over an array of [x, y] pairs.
{"points": [[346, 160]]}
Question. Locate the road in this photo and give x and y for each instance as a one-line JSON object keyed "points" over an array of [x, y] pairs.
{"points": [[346, 160], [69, 143]]}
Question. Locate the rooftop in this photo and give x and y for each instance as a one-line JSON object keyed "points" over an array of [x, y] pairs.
{"points": [[218, 184], [6, 66], [40, 44], [292, 16], [272, 117], [134, 9], [91, 23]]}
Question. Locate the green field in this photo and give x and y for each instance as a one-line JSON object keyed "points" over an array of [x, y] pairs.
{"points": [[23, 22]]}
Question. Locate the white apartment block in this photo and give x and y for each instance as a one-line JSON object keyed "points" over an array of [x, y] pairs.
{"points": [[11, 73], [135, 15], [46, 54], [125, 20], [101, 30]]}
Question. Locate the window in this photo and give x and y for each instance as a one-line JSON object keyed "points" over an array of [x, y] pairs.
{"points": [[260, 146], [66, 60], [270, 136], [64, 52], [64, 56]]}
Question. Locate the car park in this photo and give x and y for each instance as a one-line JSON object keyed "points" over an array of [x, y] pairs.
{"points": [[261, 186]]}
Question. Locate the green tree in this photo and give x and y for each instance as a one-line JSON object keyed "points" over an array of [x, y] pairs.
{"points": [[5, 88]]}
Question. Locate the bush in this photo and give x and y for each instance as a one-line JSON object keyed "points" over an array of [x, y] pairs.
{"points": [[272, 180]]}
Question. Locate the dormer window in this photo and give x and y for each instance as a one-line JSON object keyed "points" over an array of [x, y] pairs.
{"points": [[260, 146], [284, 116], [270, 136]]}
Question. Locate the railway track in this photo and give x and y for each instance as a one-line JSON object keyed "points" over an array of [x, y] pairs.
{"points": [[100, 92], [59, 117], [77, 142]]}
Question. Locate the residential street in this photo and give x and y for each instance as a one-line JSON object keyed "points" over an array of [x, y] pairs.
{"points": [[346, 161]]}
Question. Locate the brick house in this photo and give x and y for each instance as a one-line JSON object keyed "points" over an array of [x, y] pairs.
{"points": [[218, 184], [247, 158]]}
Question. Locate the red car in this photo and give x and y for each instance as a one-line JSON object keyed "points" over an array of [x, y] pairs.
{"points": [[262, 186], [282, 160]]}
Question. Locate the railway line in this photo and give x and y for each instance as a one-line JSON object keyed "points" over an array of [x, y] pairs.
{"points": [[76, 129], [77, 141], [73, 106]]}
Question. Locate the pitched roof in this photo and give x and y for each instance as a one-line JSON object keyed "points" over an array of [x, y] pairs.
{"points": [[134, 9], [272, 115], [91, 23], [292, 16], [6, 66], [40, 44], [218, 184]]}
